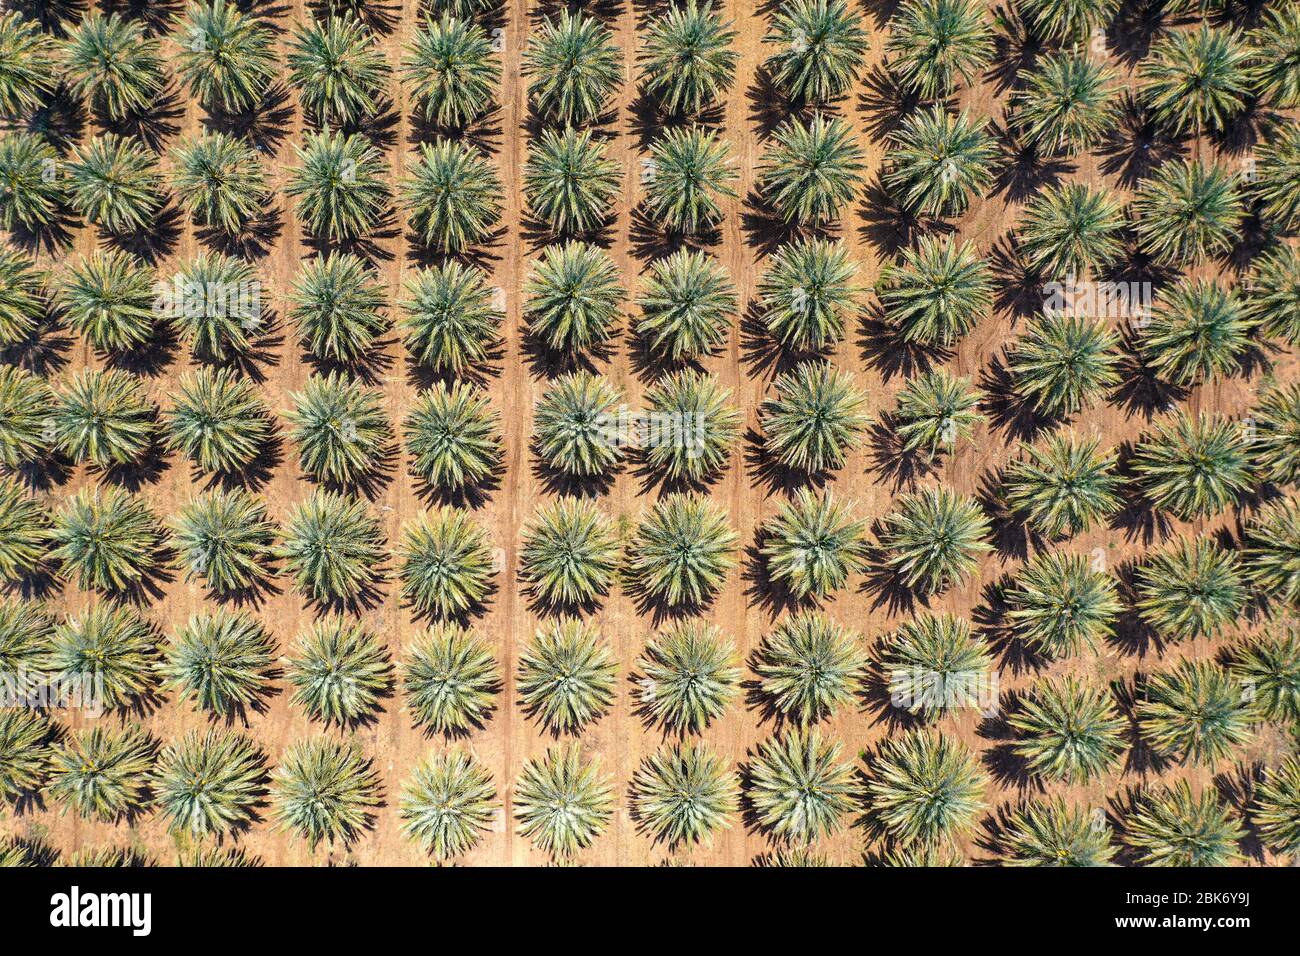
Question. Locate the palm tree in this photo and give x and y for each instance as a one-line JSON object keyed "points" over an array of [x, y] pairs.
{"points": [[938, 161], [31, 192], [692, 425], [464, 9], [1198, 331], [1197, 712], [1063, 362], [1276, 47], [576, 425], [1273, 539], [340, 185], [340, 671], [566, 676], [453, 436], [110, 857], [574, 68], [821, 47], [1193, 589], [682, 793], [338, 307], [1069, 730], [562, 801], [1061, 605], [25, 737], [1268, 665], [807, 296], [573, 297], [1071, 230], [340, 427], [570, 553], [114, 182], [813, 170], [687, 303], [936, 293], [447, 567], [1273, 297], [218, 420], [798, 787], [1276, 184], [25, 631], [451, 195], [1066, 105], [114, 65], [571, 181], [814, 418], [210, 783], [1054, 833], [338, 69], [454, 70], [106, 539], [109, 298], [448, 804], [1068, 19], [1197, 80], [325, 790], [1171, 826], [24, 301], [936, 44], [222, 661], [113, 647], [1276, 814], [683, 551], [102, 416], [934, 540], [101, 773], [687, 60], [219, 180], [24, 532], [28, 61], [917, 856], [25, 403], [1194, 467], [450, 679], [227, 57], [450, 318], [1064, 487], [226, 538], [813, 544], [688, 677], [810, 667], [689, 172], [1187, 211], [935, 410], [935, 664], [216, 306], [926, 787], [16, 852], [333, 547]]}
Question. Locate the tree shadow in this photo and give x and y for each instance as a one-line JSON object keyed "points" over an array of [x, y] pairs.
{"points": [[894, 465], [154, 243], [1006, 410], [885, 350], [1023, 168], [265, 125], [1136, 144]]}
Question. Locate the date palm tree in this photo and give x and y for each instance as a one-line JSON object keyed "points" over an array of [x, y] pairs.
{"points": [[821, 47], [934, 540], [570, 553], [809, 667], [687, 301], [1273, 553], [1275, 43], [1051, 832], [1194, 467], [28, 59], [1187, 211], [1268, 665], [448, 803], [576, 425], [453, 436], [573, 68], [106, 539], [812, 170], [340, 427], [562, 801], [225, 538], [337, 304], [25, 737], [1062, 605], [687, 60], [688, 677], [32, 191], [109, 298], [683, 793], [1276, 183], [682, 551], [935, 664], [325, 789], [1276, 813], [1197, 80], [102, 416], [114, 182], [814, 417], [450, 679], [1195, 588], [339, 671], [220, 181], [571, 181], [566, 676], [1066, 105], [935, 45], [101, 773], [1069, 730], [25, 404], [925, 787], [226, 57], [25, 630], [332, 547], [799, 788], [110, 857], [24, 532], [938, 161], [1198, 332], [935, 411], [1273, 297], [1071, 230], [222, 661], [1065, 486], [813, 544], [216, 306], [217, 420], [1068, 19], [114, 647], [936, 293], [340, 185], [453, 68], [446, 565], [450, 317], [1172, 826], [1197, 712], [807, 296], [573, 297], [338, 69], [688, 175], [210, 783], [1063, 361], [692, 425], [451, 196], [113, 65]]}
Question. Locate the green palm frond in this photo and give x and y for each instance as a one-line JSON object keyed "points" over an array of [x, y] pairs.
{"points": [[687, 59], [220, 181], [798, 787], [813, 420], [1198, 331], [935, 665], [1069, 730], [1062, 362], [114, 182], [106, 539], [573, 297], [333, 548], [810, 667], [325, 790], [1268, 667], [936, 293], [935, 538], [571, 181], [1197, 80], [337, 305], [25, 737], [573, 68], [25, 405], [936, 44], [450, 317], [448, 804], [453, 68], [1275, 186], [562, 801], [1066, 105], [692, 425], [938, 161], [687, 303], [682, 793], [25, 629], [566, 676], [218, 420], [338, 69], [340, 185], [216, 306], [821, 48], [935, 411], [1172, 826], [1064, 486], [340, 427], [453, 436], [926, 787], [1062, 605], [1276, 813], [24, 532], [812, 171], [450, 679], [446, 565], [807, 297], [1197, 712], [688, 677], [109, 298], [813, 544], [221, 661], [225, 538], [689, 173], [682, 551], [1187, 211], [114, 647], [32, 187], [451, 195], [114, 65], [102, 774], [210, 783], [1194, 467], [1195, 588], [226, 57], [110, 857], [28, 60], [339, 671], [1272, 554], [570, 553], [1276, 48], [1068, 19], [576, 425], [1071, 230], [1051, 832], [1273, 293]]}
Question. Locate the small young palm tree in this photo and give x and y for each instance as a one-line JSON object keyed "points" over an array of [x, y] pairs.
{"points": [[1070, 730], [812, 171], [1063, 362], [936, 44], [1276, 47], [1276, 813], [340, 427], [102, 774], [220, 181], [25, 630], [1194, 467], [340, 185], [935, 664], [325, 790], [1062, 606], [453, 68], [447, 566], [821, 47], [813, 544], [1268, 666], [683, 551], [1197, 712], [810, 667], [814, 418], [1054, 833], [109, 298], [1172, 826], [31, 191], [936, 293], [222, 661], [114, 65], [1071, 230], [337, 305], [1065, 486], [25, 737], [1198, 331], [1273, 553], [1193, 589], [225, 538], [938, 161], [453, 436], [573, 297], [1276, 184], [935, 411], [1068, 19], [114, 647], [687, 60], [571, 181], [106, 539], [683, 793], [689, 173], [114, 182], [692, 425], [210, 783], [338, 69], [448, 804], [566, 676], [1066, 105], [798, 787], [227, 57], [1273, 297], [339, 671], [217, 306], [451, 195], [333, 547], [1197, 80], [1187, 211], [28, 61], [926, 788], [450, 316], [24, 532], [576, 425], [935, 538], [807, 296], [562, 801], [574, 68], [25, 404], [450, 679], [218, 420], [688, 677], [686, 305], [570, 553]]}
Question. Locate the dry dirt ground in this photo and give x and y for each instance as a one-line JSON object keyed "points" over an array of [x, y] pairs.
{"points": [[515, 382]]}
